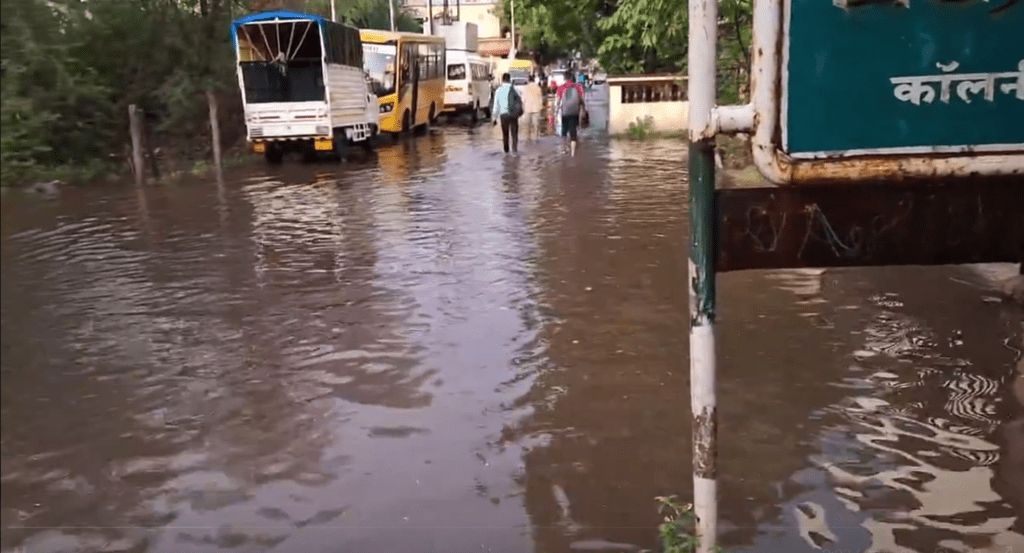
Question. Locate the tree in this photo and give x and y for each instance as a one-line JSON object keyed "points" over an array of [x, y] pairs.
{"points": [[69, 69], [645, 36], [638, 36]]}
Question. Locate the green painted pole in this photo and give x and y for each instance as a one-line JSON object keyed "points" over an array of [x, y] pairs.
{"points": [[703, 402]]}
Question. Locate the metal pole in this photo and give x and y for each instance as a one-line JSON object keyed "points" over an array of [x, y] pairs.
{"points": [[512, 49], [391, 12], [701, 94], [430, 17], [334, 13]]}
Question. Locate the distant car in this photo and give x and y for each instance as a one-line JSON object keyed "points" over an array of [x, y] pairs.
{"points": [[519, 77]]}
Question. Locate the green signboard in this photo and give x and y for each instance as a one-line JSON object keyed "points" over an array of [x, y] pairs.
{"points": [[902, 77]]}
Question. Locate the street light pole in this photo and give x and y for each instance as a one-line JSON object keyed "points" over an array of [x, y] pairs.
{"points": [[512, 49], [334, 14], [391, 12]]}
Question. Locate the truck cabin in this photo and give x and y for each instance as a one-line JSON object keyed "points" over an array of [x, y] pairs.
{"points": [[282, 55]]}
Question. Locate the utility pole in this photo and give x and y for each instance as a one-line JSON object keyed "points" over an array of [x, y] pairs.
{"points": [[334, 13], [512, 49], [391, 12]]}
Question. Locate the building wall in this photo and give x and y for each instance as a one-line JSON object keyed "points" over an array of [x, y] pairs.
{"points": [[484, 14], [666, 116]]}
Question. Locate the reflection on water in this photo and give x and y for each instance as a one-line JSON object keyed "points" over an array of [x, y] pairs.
{"points": [[443, 348]]}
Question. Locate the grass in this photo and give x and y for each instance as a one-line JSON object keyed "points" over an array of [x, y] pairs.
{"points": [[643, 129]]}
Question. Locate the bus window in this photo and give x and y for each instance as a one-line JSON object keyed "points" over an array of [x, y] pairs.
{"points": [[406, 59], [379, 62], [456, 72]]}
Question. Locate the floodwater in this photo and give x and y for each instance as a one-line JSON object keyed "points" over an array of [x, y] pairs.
{"points": [[441, 348]]}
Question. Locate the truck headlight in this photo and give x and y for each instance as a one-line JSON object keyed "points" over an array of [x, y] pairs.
{"points": [[387, 108]]}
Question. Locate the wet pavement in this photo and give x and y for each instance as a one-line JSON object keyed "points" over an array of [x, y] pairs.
{"points": [[441, 348]]}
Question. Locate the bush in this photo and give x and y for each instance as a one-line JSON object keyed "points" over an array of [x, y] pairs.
{"points": [[641, 129]]}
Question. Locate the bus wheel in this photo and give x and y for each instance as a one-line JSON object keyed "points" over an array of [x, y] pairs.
{"points": [[274, 154], [405, 122], [431, 117]]}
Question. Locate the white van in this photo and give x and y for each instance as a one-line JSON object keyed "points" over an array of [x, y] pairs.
{"points": [[467, 84]]}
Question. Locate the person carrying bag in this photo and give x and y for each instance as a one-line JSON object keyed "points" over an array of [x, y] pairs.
{"points": [[508, 108]]}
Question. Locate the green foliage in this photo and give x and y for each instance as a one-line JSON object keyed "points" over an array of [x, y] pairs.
{"points": [[638, 36], [70, 69], [735, 36], [645, 36], [641, 129], [675, 533]]}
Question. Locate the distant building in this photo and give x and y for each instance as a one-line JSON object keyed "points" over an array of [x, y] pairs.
{"points": [[495, 38]]}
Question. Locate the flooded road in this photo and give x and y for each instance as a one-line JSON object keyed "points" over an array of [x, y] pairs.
{"points": [[441, 348]]}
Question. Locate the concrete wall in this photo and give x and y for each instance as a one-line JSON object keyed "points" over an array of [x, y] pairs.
{"points": [[483, 14], [661, 98]]}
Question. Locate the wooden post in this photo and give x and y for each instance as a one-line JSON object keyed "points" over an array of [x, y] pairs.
{"points": [[215, 131], [138, 158], [147, 139]]}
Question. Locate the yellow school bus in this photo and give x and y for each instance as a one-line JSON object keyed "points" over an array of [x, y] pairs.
{"points": [[407, 71]]}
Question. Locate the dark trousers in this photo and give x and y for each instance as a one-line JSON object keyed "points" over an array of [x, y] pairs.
{"points": [[510, 126]]}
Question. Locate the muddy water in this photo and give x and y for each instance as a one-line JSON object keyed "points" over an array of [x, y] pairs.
{"points": [[441, 348]]}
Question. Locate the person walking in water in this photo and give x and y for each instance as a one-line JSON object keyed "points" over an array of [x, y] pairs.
{"points": [[533, 103], [569, 106], [508, 108]]}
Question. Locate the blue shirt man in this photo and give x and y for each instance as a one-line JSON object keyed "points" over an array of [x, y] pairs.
{"points": [[500, 112]]}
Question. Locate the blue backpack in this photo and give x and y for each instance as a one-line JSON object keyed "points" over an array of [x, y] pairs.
{"points": [[515, 103]]}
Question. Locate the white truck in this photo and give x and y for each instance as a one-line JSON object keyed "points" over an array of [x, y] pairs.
{"points": [[303, 85]]}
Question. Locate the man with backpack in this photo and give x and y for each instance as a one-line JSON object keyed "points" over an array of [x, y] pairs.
{"points": [[569, 106], [508, 108]]}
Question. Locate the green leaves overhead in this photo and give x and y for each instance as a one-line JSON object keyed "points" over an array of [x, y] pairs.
{"points": [[635, 36]]}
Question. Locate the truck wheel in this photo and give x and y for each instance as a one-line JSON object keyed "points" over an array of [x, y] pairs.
{"points": [[406, 121], [274, 154], [340, 144], [371, 141]]}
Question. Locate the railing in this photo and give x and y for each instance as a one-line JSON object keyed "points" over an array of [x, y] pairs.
{"points": [[637, 89], [635, 99]]}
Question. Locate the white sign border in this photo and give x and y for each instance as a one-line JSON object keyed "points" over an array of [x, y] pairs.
{"points": [[771, 57]]}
